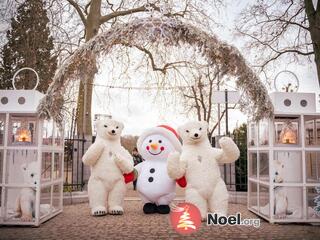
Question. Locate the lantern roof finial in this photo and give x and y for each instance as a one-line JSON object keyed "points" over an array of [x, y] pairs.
{"points": [[22, 69]]}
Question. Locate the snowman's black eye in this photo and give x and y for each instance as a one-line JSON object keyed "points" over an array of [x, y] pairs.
{"points": [[105, 126], [32, 175], [160, 141], [187, 131], [200, 129], [150, 141]]}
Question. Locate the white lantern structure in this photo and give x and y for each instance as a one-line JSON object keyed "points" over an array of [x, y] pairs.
{"points": [[284, 160], [31, 159]]}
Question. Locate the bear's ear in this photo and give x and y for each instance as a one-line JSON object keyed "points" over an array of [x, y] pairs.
{"points": [[121, 125], [204, 125], [23, 167], [180, 130], [97, 123]]}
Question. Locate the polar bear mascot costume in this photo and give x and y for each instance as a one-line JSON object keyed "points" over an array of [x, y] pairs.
{"points": [[108, 161], [198, 162]]}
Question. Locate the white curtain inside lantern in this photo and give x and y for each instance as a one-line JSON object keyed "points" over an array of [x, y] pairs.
{"points": [[288, 134]]}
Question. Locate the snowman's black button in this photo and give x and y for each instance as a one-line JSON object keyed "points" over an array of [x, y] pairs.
{"points": [[150, 179], [152, 170]]}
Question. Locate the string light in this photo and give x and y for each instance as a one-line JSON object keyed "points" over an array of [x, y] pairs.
{"points": [[151, 87], [141, 88]]}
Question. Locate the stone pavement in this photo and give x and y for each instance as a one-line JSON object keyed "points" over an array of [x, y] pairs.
{"points": [[76, 223]]}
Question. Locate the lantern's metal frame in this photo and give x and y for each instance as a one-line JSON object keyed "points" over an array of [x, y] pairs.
{"points": [[53, 148], [271, 148]]}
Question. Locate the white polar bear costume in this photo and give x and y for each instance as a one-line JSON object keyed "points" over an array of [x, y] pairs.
{"points": [[198, 162], [108, 161], [25, 202]]}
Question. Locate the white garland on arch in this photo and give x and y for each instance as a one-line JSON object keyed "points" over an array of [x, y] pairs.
{"points": [[170, 32]]}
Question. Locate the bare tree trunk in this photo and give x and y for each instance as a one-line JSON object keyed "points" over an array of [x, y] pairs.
{"points": [[92, 25], [314, 29]]}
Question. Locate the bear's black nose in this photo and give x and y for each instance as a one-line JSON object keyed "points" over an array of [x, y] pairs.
{"points": [[196, 134], [113, 131], [35, 182]]}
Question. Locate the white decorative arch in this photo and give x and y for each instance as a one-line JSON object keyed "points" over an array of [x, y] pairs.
{"points": [[170, 32]]}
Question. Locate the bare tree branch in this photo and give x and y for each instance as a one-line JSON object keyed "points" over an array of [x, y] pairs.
{"points": [[278, 28], [86, 7], [79, 11], [119, 13]]}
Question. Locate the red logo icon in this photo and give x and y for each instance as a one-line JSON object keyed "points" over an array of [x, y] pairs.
{"points": [[185, 218]]}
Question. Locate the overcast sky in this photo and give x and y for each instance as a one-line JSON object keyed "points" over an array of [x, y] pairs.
{"points": [[140, 110]]}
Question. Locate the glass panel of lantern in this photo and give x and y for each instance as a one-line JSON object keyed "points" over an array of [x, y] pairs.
{"points": [[12, 212], [312, 167], [2, 126], [22, 166], [264, 200], [253, 164], [312, 130], [22, 130], [253, 193], [57, 166], [47, 132], [58, 137], [46, 167], [286, 130], [264, 166], [56, 198], [313, 203], [13, 208], [288, 202], [45, 201], [263, 133], [252, 140], [287, 166]]}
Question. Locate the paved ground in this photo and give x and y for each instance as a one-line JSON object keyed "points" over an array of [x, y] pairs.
{"points": [[76, 223]]}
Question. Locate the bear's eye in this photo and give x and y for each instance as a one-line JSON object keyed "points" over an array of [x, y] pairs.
{"points": [[187, 131], [200, 129], [150, 141], [160, 141], [32, 175], [105, 126], [117, 127]]}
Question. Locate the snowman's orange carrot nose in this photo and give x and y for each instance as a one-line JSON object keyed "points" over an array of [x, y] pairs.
{"points": [[154, 146]]}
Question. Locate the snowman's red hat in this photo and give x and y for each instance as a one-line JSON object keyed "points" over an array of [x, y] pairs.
{"points": [[163, 130]]}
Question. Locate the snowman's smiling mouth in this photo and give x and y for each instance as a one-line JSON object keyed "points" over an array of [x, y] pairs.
{"points": [[155, 153]]}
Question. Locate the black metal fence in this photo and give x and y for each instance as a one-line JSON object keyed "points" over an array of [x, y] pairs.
{"points": [[76, 175], [241, 164], [73, 166], [235, 174]]}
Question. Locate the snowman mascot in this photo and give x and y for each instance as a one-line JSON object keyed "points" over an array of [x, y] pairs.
{"points": [[154, 186]]}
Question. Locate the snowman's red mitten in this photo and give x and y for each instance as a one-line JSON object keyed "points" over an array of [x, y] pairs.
{"points": [[130, 177], [182, 182]]}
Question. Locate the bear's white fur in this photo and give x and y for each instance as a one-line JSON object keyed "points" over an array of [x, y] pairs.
{"points": [[280, 195], [25, 201], [198, 162], [108, 161]]}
